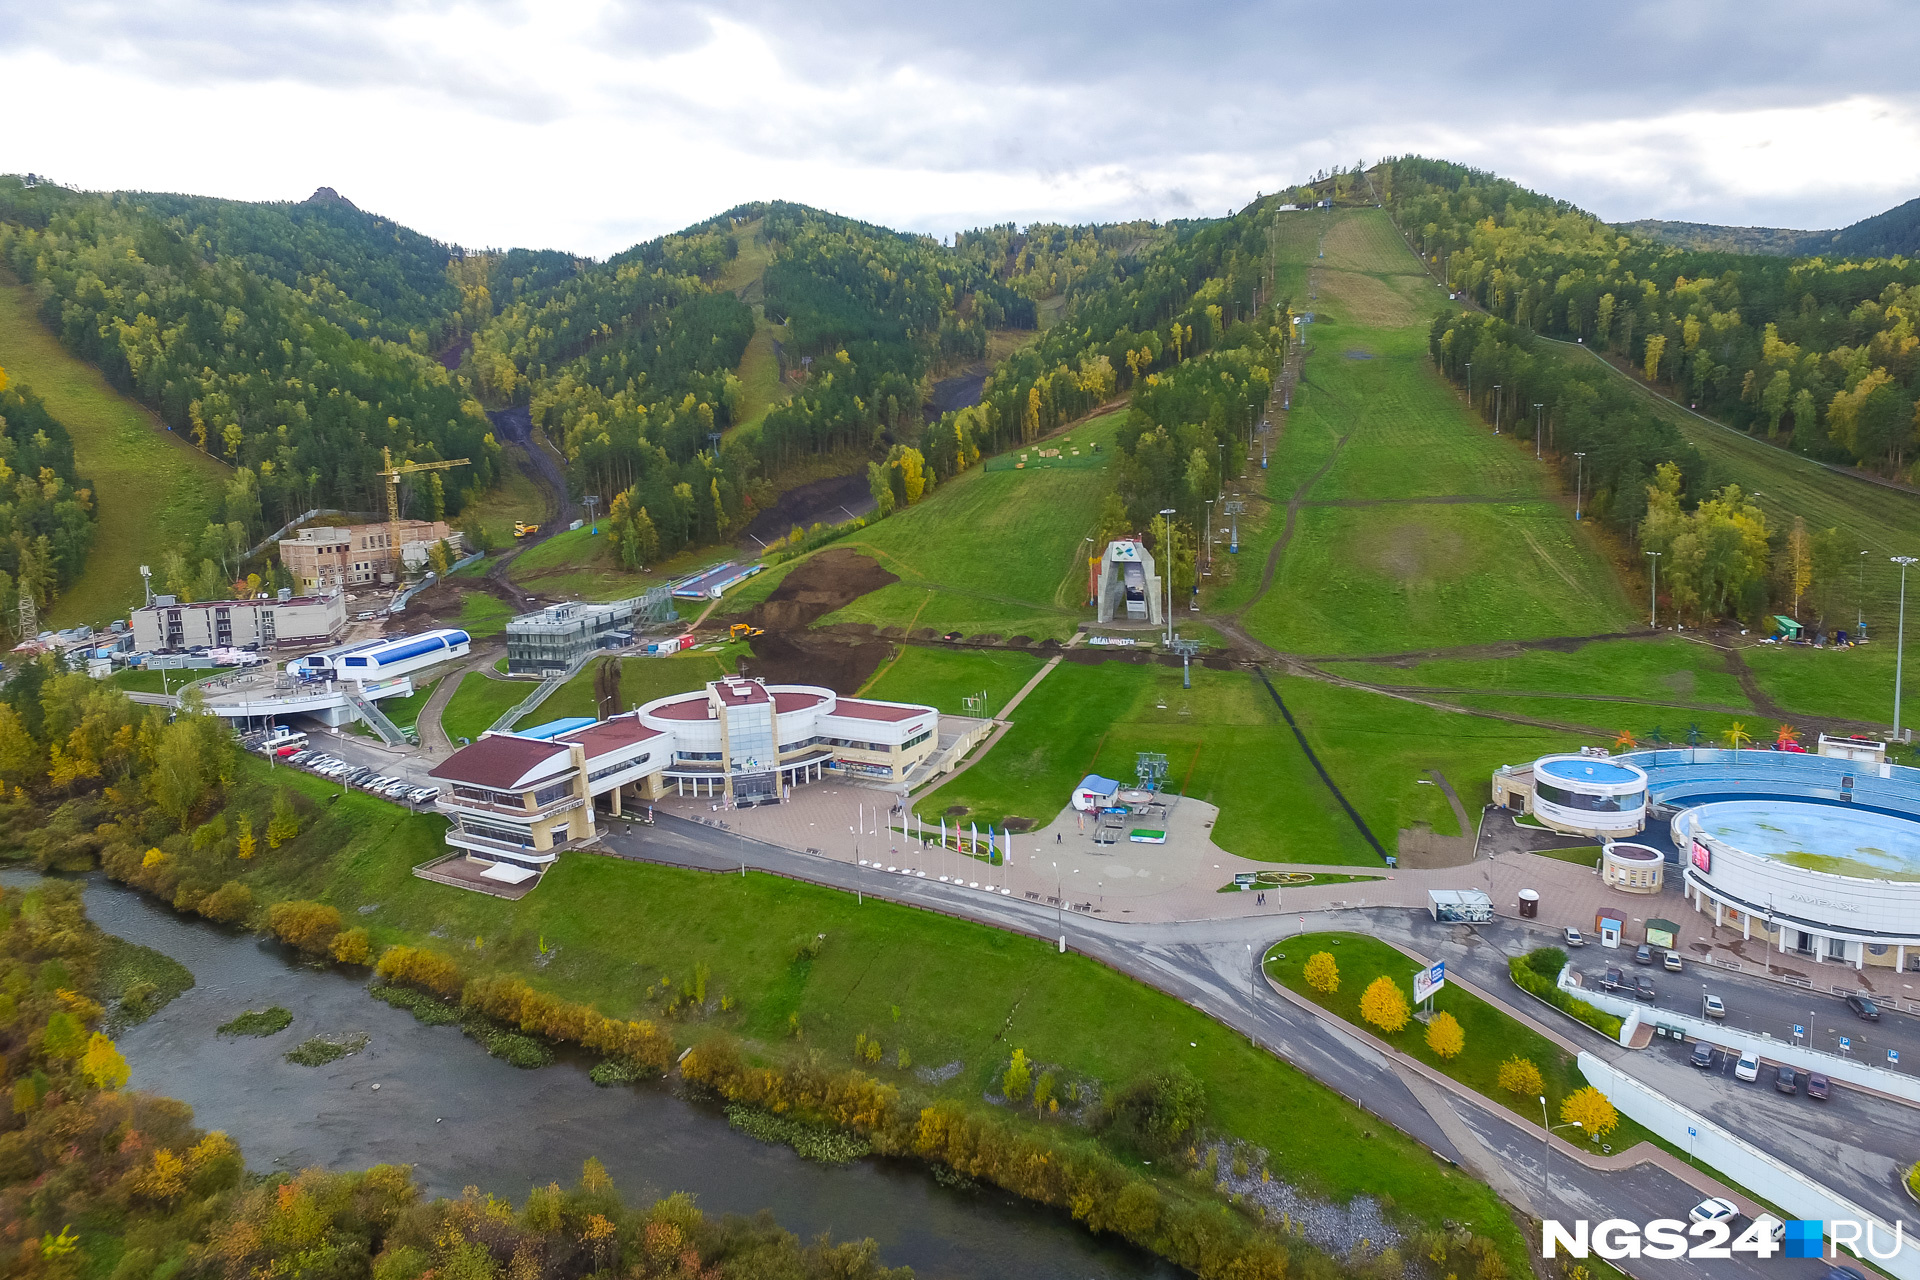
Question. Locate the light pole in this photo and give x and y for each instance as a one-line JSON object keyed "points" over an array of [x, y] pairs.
{"points": [[1496, 408], [1547, 1140], [1860, 595], [1653, 593], [1536, 430], [1059, 901], [1166, 516], [1900, 641], [1579, 476], [1469, 384]]}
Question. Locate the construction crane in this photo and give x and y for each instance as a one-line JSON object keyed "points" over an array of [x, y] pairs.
{"points": [[392, 476]]}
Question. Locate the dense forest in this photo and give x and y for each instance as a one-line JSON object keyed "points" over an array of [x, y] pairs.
{"points": [[1817, 353], [269, 353], [46, 510]]}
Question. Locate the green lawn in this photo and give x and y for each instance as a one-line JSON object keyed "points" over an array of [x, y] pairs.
{"points": [[1854, 683], [483, 615], [154, 489], [944, 990], [579, 563], [1225, 744], [1581, 855], [1669, 668], [478, 702], [997, 552], [1607, 720], [1492, 1035], [944, 678], [514, 496], [405, 712]]}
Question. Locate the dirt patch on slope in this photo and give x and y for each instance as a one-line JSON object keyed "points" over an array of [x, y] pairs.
{"points": [[830, 580], [1414, 552], [827, 501], [842, 663]]}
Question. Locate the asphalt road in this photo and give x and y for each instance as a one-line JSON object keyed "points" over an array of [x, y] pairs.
{"points": [[1209, 964]]}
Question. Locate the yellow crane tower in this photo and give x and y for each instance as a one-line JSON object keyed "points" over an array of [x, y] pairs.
{"points": [[392, 476]]}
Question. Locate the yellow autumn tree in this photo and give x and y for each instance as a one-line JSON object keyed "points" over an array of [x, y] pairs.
{"points": [[1385, 1005], [1590, 1109], [1799, 561], [1519, 1075], [1322, 974], [102, 1064], [1656, 347], [243, 841], [1445, 1036]]}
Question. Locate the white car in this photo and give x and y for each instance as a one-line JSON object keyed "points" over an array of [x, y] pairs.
{"points": [[1713, 1006], [1772, 1227], [1714, 1209], [424, 795], [1574, 938], [1748, 1069]]}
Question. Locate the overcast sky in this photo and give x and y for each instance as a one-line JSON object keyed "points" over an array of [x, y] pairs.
{"points": [[590, 124]]}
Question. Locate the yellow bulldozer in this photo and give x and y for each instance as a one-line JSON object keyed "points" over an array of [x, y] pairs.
{"points": [[521, 529], [741, 631]]}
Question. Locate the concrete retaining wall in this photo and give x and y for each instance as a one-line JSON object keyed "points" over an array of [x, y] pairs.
{"points": [[1766, 1177]]}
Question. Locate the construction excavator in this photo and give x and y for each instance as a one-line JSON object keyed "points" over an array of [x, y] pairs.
{"points": [[521, 529], [741, 631]]}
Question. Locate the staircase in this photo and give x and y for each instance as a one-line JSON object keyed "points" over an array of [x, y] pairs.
{"points": [[373, 717]]}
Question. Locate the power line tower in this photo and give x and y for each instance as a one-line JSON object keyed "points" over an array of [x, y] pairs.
{"points": [[29, 616]]}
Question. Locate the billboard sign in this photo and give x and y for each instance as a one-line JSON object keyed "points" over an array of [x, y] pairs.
{"points": [[1428, 981], [1702, 858]]}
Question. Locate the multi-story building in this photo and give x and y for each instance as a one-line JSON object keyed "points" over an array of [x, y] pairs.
{"points": [[553, 638], [358, 554], [516, 799], [285, 619]]}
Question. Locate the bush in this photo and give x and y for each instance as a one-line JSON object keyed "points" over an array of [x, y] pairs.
{"points": [[1529, 981], [1160, 1113], [352, 947], [1518, 1075], [419, 967], [1445, 1036], [258, 1022], [1322, 974], [1547, 962], [1385, 1005], [231, 903], [310, 926], [1590, 1109]]}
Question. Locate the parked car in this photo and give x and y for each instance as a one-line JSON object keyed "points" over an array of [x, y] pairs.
{"points": [[299, 757], [396, 789], [1672, 962], [286, 753], [424, 795], [1712, 1006], [1702, 1055], [1863, 1008], [1573, 937], [1615, 981], [1818, 1086], [1786, 1080], [1643, 988], [1643, 954], [1843, 1273], [1748, 1068], [1713, 1209]]}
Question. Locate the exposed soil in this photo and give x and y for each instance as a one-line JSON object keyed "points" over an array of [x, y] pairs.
{"points": [[833, 578], [827, 501], [440, 603], [958, 392], [840, 662]]}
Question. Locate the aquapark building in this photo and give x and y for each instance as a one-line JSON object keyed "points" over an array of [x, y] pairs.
{"points": [[1815, 855]]}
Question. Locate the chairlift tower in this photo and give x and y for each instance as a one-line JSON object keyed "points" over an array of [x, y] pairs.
{"points": [[1186, 649], [1233, 508], [1149, 769]]}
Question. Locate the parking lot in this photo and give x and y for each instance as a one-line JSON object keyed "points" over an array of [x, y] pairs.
{"points": [[333, 760]]}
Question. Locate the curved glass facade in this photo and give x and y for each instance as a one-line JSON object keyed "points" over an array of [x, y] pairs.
{"points": [[1580, 800]]}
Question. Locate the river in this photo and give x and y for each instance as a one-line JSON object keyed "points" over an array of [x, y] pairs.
{"points": [[463, 1118]]}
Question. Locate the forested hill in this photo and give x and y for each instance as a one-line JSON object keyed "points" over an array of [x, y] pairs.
{"points": [[262, 333], [1897, 231], [1818, 352]]}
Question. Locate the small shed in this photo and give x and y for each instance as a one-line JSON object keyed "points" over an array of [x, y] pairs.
{"points": [[1095, 793], [1663, 933], [1460, 906], [1789, 629]]}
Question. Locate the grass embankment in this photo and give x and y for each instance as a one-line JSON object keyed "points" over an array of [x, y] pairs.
{"points": [[1492, 1034], [1506, 563], [405, 712], [946, 678], [1667, 668], [641, 681], [483, 615], [579, 563], [141, 680], [478, 702], [155, 491], [945, 990], [514, 496], [999, 552]]}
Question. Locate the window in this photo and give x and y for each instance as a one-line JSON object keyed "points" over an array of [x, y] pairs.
{"points": [[916, 740], [505, 835], [1587, 803], [551, 795], [696, 755], [609, 770]]}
